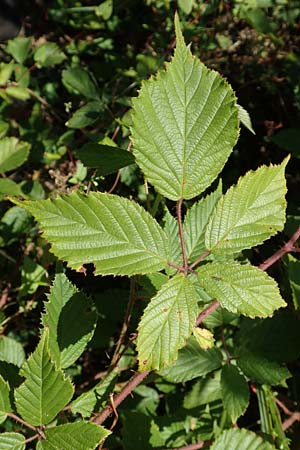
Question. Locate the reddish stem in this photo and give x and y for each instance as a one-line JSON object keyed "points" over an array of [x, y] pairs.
{"points": [[287, 248], [191, 446], [119, 398], [207, 311], [198, 260]]}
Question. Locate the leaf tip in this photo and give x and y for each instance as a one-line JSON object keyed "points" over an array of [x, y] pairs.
{"points": [[178, 32]]}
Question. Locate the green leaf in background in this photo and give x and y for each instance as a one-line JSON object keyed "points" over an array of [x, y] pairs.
{"points": [[45, 391], [204, 391], [11, 351], [81, 81], [240, 439], [86, 115], [195, 223], [12, 441], [245, 118], [185, 124], [13, 153], [19, 48], [186, 5], [242, 289], [71, 436], [33, 275], [235, 392], [9, 187], [48, 54], [93, 399], [193, 362], [6, 72], [5, 406], [114, 233], [70, 322], [288, 139], [18, 92], [250, 212], [106, 159], [262, 370], [293, 267], [166, 323]]}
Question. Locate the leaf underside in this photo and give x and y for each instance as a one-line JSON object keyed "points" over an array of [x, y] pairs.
{"points": [[166, 323], [242, 289], [185, 124], [115, 234]]}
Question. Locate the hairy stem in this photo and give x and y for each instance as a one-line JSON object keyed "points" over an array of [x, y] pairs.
{"points": [[119, 398], [181, 236], [289, 247]]}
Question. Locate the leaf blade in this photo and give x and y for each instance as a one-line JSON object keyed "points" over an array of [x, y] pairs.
{"points": [[240, 439], [235, 392], [13, 153]]}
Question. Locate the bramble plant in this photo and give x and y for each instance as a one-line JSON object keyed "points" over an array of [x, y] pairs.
{"points": [[185, 124]]}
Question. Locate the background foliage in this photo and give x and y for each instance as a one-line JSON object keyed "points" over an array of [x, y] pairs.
{"points": [[66, 84]]}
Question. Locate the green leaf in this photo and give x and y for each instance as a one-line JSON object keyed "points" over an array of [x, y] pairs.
{"points": [[166, 323], [204, 391], [12, 441], [195, 223], [11, 351], [235, 392], [245, 118], [105, 9], [5, 72], [71, 436], [86, 115], [185, 124], [288, 139], [48, 54], [261, 369], [114, 233], [19, 48], [186, 5], [70, 322], [293, 267], [250, 212], [9, 187], [13, 153], [242, 289], [93, 399], [240, 439], [45, 391], [5, 406], [173, 240], [33, 275], [105, 158], [80, 80], [193, 362]]}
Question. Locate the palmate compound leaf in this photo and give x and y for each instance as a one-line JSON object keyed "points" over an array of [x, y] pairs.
{"points": [[74, 436], [242, 289], [185, 124], [114, 233], [240, 439], [250, 212], [45, 391], [167, 323], [12, 441], [70, 321]]}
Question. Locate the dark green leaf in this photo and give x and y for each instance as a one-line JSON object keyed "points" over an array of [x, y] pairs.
{"points": [[104, 158]]}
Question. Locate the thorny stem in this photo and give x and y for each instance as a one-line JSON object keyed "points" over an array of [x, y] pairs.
{"points": [[179, 220], [119, 398], [289, 247]]}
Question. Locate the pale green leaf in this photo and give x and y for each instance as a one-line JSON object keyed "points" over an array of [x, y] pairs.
{"points": [[185, 124], [12, 441], [166, 323], [242, 289], [13, 153], [250, 212], [11, 351], [235, 392], [106, 159], [19, 48], [240, 439], [78, 435], [80, 80], [186, 5], [5, 406], [70, 321], [173, 241], [114, 233], [45, 391], [193, 362], [33, 275], [195, 223], [10, 187], [92, 400], [245, 118], [48, 54], [262, 370], [18, 92]]}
